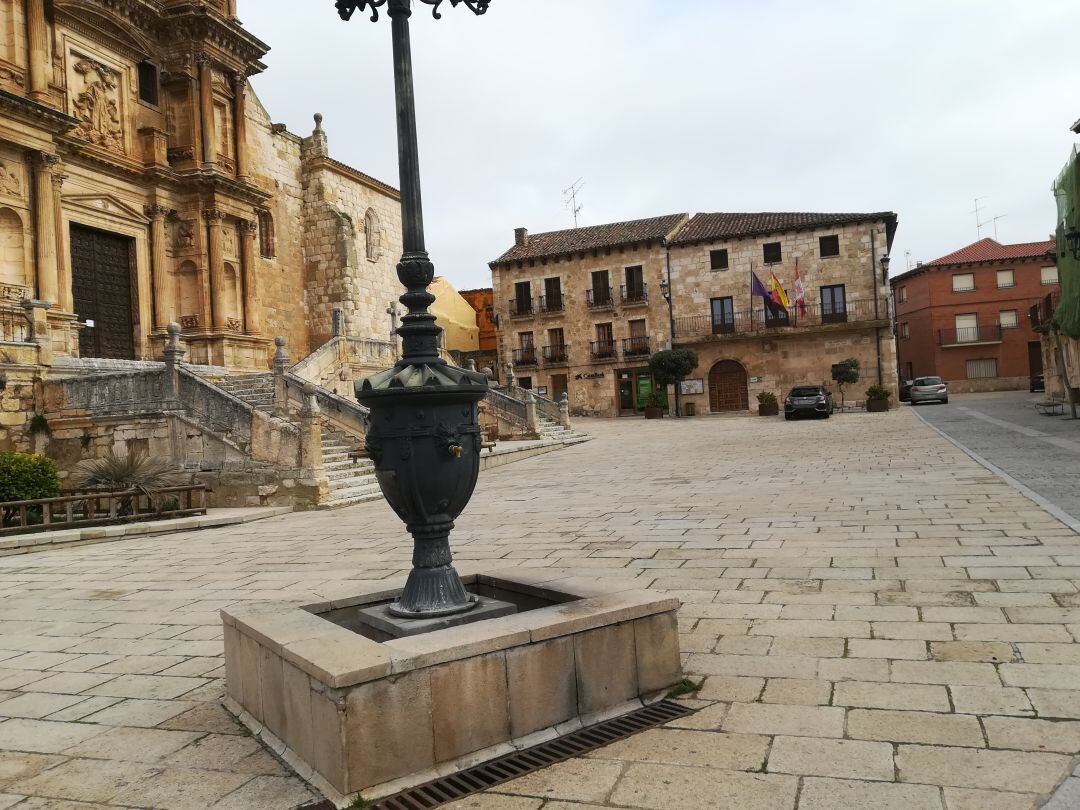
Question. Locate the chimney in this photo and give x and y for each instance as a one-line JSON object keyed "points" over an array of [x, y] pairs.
{"points": [[521, 237]]}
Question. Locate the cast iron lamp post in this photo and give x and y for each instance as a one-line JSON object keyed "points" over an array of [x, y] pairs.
{"points": [[424, 434]]}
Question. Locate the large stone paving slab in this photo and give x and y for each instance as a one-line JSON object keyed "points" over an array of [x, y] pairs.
{"points": [[877, 622]]}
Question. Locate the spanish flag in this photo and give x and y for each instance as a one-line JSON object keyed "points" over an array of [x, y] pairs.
{"points": [[779, 296]]}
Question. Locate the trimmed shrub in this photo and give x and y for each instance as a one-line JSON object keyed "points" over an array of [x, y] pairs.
{"points": [[25, 477], [878, 392]]}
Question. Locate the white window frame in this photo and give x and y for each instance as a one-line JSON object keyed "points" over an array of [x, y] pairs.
{"points": [[1013, 323], [988, 361], [1011, 282], [1049, 271], [956, 288], [901, 294]]}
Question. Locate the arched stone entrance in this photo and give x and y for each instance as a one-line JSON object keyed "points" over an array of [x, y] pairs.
{"points": [[727, 387]]}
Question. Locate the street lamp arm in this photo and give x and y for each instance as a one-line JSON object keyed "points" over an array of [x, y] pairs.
{"points": [[346, 8]]}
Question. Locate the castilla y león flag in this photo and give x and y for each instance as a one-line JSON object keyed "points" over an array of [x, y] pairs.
{"points": [[800, 291]]}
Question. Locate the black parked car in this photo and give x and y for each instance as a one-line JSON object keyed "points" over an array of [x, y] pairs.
{"points": [[905, 390], [809, 400]]}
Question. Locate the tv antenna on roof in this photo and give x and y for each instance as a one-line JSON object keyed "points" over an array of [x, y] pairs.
{"points": [[571, 197], [995, 221], [979, 224]]}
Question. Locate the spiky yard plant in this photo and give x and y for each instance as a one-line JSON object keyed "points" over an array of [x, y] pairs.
{"points": [[128, 472]]}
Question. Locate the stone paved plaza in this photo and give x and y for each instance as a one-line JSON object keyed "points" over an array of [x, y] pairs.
{"points": [[878, 622]]}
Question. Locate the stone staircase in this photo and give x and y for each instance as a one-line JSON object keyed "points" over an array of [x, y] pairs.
{"points": [[550, 429], [351, 481], [256, 390]]}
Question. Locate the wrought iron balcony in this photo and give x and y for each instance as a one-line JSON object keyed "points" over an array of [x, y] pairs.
{"points": [[759, 319], [635, 346], [551, 303], [967, 335], [1042, 312], [521, 307], [634, 295], [603, 350], [525, 357], [600, 298], [557, 355]]}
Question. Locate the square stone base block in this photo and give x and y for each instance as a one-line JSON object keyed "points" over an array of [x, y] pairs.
{"points": [[355, 715]]}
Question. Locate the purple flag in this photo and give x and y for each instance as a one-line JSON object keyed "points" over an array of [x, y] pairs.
{"points": [[757, 288]]}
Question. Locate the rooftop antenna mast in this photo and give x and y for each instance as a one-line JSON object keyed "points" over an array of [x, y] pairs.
{"points": [[979, 223], [571, 197], [995, 221]]}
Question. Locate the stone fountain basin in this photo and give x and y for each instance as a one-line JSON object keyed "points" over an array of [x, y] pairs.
{"points": [[355, 715]]}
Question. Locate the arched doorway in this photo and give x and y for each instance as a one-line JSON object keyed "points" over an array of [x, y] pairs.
{"points": [[727, 387]]}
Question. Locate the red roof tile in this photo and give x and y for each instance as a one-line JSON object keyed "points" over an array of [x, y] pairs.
{"points": [[987, 250], [720, 226], [561, 243]]}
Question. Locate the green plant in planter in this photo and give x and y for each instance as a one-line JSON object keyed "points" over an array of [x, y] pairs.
{"points": [[767, 398], [655, 400], [25, 477], [878, 392], [121, 473]]}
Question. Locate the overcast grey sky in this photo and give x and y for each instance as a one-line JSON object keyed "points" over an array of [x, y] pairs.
{"points": [[916, 106]]}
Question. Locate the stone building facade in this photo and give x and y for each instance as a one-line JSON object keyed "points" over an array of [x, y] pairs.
{"points": [[143, 183], [965, 317], [580, 311], [703, 264]]}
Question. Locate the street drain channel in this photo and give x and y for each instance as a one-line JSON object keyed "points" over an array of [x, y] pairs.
{"points": [[513, 766]]}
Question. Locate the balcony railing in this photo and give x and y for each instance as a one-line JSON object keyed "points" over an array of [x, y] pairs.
{"points": [[1042, 312], [556, 355], [14, 325], [551, 303], [525, 357], [635, 346], [521, 307], [603, 350], [599, 299], [969, 334], [759, 319], [633, 294]]}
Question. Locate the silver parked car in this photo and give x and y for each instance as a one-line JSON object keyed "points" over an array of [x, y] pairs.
{"points": [[929, 389]]}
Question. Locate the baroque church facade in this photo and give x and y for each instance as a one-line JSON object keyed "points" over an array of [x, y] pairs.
{"points": [[143, 183]]}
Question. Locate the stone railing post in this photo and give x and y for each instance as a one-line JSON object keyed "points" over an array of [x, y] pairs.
{"points": [[532, 419], [37, 325], [311, 460], [281, 387], [510, 379], [564, 410], [174, 353]]}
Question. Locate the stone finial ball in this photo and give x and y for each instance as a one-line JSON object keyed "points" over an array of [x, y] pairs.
{"points": [[309, 389], [318, 120], [279, 342], [173, 328]]}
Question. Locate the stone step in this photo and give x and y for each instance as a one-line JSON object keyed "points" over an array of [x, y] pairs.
{"points": [[348, 464], [353, 500]]}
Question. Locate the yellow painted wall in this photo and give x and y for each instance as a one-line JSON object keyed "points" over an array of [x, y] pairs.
{"points": [[456, 316]]}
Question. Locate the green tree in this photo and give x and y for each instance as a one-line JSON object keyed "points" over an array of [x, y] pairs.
{"points": [[24, 477], [846, 372], [671, 367]]}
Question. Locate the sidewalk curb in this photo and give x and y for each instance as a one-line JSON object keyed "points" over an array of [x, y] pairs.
{"points": [[1059, 513]]}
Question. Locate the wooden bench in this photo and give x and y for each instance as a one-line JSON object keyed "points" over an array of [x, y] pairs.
{"points": [[1051, 406]]}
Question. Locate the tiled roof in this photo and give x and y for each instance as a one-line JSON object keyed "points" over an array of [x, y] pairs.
{"points": [[561, 243], [719, 226], [987, 250]]}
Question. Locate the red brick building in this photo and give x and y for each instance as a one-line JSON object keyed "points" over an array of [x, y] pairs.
{"points": [[483, 301], [964, 316]]}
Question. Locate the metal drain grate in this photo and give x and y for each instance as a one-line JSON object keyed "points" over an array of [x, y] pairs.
{"points": [[512, 766]]}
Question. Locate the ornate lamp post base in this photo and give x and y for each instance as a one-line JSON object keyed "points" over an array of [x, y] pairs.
{"points": [[433, 593]]}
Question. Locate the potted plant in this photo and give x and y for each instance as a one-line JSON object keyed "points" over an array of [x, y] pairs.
{"points": [[877, 398], [671, 367], [767, 404], [846, 372], [654, 406]]}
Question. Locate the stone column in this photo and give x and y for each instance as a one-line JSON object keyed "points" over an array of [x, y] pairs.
{"points": [[206, 111], [532, 419], [37, 29], [174, 353], [311, 460], [218, 314], [564, 410], [510, 379], [240, 111], [281, 389], [164, 293], [252, 308], [48, 285], [63, 256]]}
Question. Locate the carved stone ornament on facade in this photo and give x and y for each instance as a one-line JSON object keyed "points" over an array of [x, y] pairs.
{"points": [[184, 234], [14, 292], [234, 325], [228, 242], [9, 75], [189, 321], [10, 180], [98, 106]]}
